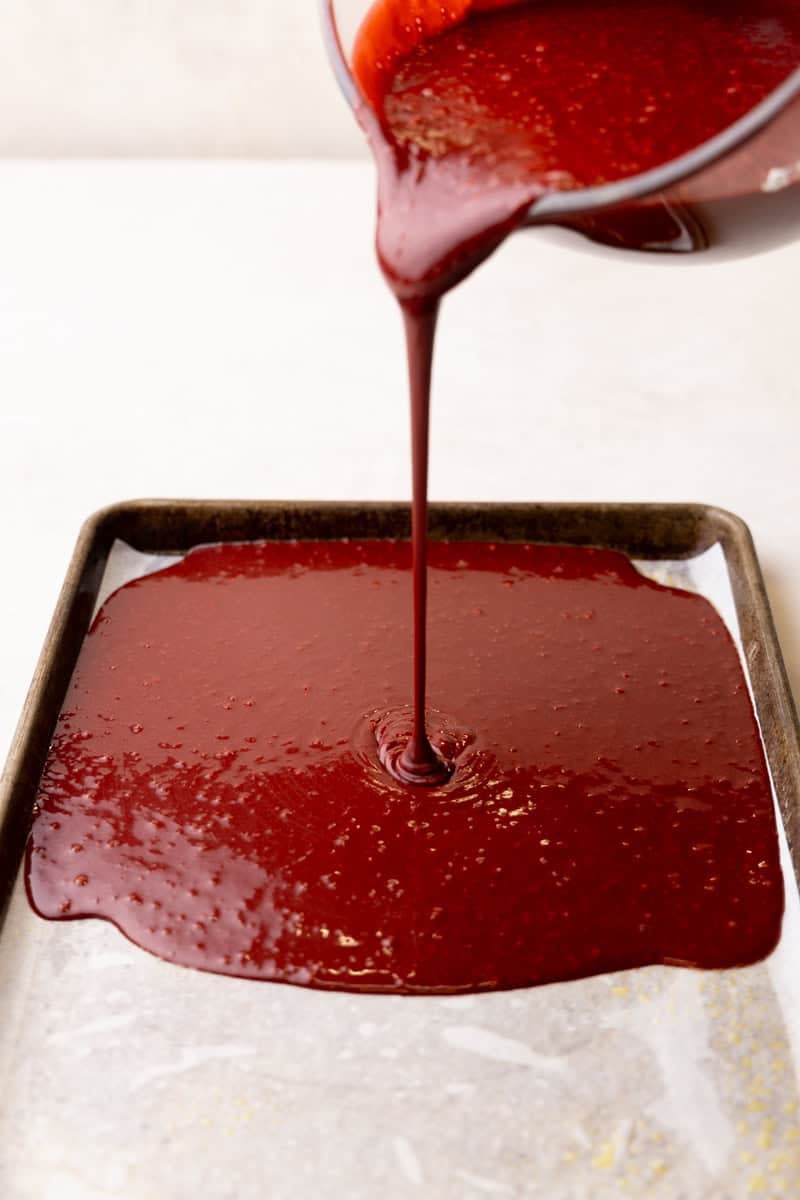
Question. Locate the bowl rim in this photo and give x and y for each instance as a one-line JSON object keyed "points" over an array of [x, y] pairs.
{"points": [[608, 195]]}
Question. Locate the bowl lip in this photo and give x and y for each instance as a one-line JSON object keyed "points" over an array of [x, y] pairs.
{"points": [[607, 195]]}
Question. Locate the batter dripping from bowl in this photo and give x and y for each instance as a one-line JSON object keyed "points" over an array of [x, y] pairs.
{"points": [[235, 777]]}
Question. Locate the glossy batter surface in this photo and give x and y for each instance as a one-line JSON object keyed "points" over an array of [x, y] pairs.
{"points": [[476, 108], [479, 113], [214, 788]]}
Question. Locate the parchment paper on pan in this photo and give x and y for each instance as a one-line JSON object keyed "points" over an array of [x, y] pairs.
{"points": [[124, 1077]]}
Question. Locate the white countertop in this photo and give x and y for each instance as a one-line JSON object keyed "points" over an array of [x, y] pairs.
{"points": [[222, 331]]}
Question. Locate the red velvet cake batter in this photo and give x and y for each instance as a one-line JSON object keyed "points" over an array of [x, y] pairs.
{"points": [[474, 114], [476, 108], [229, 781], [214, 786]]}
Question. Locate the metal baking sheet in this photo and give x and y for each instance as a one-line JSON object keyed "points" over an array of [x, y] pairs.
{"points": [[125, 1077]]}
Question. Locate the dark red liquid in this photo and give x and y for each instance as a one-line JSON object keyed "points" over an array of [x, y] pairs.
{"points": [[470, 127], [596, 795], [214, 787], [418, 763], [473, 115], [473, 125]]}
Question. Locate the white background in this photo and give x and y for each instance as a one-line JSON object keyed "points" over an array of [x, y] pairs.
{"points": [[167, 77]]}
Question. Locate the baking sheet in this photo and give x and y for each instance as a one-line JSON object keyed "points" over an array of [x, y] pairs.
{"points": [[124, 1077]]}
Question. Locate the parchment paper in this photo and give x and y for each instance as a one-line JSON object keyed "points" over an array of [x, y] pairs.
{"points": [[125, 1078]]}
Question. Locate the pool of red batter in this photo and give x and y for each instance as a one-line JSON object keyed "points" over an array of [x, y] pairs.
{"points": [[213, 786]]}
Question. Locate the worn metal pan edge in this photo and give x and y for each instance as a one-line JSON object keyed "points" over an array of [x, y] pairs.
{"points": [[641, 530]]}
